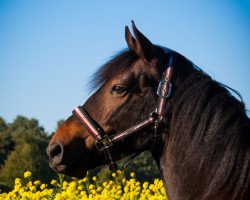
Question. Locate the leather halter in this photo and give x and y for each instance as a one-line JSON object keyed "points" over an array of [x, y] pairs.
{"points": [[103, 141]]}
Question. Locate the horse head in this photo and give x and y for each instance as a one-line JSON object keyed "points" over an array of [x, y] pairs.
{"points": [[126, 95]]}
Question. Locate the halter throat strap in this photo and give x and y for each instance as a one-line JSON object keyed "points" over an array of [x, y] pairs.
{"points": [[104, 142]]}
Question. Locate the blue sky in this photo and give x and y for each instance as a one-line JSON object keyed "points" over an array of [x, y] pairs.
{"points": [[49, 49]]}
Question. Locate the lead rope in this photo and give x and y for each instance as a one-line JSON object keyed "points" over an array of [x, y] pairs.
{"points": [[127, 163], [113, 166]]}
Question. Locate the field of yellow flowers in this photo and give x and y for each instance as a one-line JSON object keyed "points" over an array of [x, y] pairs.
{"points": [[118, 187]]}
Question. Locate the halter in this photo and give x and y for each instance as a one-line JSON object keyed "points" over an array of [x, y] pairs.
{"points": [[104, 142]]}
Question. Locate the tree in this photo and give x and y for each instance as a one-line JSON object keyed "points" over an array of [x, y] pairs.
{"points": [[29, 153], [6, 142], [3, 125]]}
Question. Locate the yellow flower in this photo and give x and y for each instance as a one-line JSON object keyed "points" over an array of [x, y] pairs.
{"points": [[151, 187], [72, 185], [37, 183], [27, 174], [113, 174], [29, 184], [64, 185], [99, 189], [104, 184], [32, 188], [132, 174], [83, 193], [160, 184], [156, 181], [84, 179], [126, 189], [163, 191], [80, 188], [42, 186], [137, 183], [91, 186], [145, 185], [17, 181], [53, 182], [76, 189]]}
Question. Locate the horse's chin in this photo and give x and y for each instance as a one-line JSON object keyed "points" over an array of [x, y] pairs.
{"points": [[72, 171]]}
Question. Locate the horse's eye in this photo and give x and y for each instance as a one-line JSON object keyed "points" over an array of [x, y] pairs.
{"points": [[118, 89]]}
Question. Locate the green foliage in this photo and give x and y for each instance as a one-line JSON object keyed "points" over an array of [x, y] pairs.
{"points": [[25, 143], [145, 167], [3, 125], [6, 145]]}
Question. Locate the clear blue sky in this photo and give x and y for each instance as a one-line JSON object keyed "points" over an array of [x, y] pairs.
{"points": [[49, 49]]}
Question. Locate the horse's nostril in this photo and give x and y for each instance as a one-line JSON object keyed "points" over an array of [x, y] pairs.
{"points": [[55, 152]]}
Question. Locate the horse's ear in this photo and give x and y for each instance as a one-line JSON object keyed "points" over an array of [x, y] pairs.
{"points": [[130, 39], [140, 44]]}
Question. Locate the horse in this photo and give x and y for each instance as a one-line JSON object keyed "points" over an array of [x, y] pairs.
{"points": [[151, 98]]}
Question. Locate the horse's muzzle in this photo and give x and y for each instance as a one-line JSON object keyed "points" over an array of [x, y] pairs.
{"points": [[55, 154]]}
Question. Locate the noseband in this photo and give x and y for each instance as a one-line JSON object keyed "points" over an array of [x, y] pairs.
{"points": [[103, 141]]}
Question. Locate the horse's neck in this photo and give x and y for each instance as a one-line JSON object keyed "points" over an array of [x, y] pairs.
{"points": [[173, 181], [188, 177], [179, 184]]}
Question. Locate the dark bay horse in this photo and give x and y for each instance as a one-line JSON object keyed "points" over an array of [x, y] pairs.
{"points": [[201, 143]]}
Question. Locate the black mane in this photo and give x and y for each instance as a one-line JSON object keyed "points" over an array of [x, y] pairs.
{"points": [[116, 64], [119, 62], [210, 139]]}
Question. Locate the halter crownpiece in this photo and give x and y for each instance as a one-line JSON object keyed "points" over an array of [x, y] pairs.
{"points": [[165, 87], [103, 141]]}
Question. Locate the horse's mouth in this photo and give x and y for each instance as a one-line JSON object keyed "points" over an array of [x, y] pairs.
{"points": [[69, 170]]}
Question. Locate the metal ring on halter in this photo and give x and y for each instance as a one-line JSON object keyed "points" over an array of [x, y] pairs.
{"points": [[164, 89], [104, 143]]}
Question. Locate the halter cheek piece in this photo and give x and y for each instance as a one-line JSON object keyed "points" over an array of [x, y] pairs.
{"points": [[103, 141]]}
